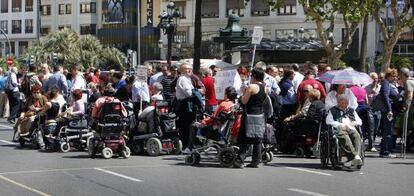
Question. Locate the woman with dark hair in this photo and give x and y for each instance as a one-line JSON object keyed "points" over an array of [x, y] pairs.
{"points": [[253, 99], [51, 111], [78, 106], [287, 100]]}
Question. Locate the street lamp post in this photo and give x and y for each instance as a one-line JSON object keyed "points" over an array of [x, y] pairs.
{"points": [[8, 41], [168, 23]]}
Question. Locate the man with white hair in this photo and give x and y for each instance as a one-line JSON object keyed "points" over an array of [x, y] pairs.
{"points": [[271, 85], [408, 82], [298, 77], [344, 121], [13, 94]]}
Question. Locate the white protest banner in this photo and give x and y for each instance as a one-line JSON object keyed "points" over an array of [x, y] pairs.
{"points": [[257, 35], [224, 79], [141, 73]]}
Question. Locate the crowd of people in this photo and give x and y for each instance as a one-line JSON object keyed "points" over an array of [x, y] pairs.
{"points": [[295, 93]]}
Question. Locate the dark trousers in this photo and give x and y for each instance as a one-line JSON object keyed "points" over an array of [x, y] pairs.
{"points": [[14, 102], [137, 107], [368, 125], [185, 121], [386, 143], [286, 111], [257, 150]]}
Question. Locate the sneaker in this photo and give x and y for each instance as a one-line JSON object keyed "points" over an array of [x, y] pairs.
{"points": [[187, 151], [390, 156], [357, 161], [373, 149]]}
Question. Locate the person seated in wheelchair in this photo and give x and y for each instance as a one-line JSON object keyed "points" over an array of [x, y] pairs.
{"points": [[344, 122], [308, 117], [34, 104], [209, 125]]}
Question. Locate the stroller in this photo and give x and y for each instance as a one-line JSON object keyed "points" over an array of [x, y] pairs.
{"points": [[156, 132], [109, 133], [75, 133], [226, 151]]}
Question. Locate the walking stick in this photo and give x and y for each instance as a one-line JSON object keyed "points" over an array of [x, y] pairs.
{"points": [[404, 134]]}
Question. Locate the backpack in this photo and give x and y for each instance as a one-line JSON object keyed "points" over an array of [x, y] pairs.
{"points": [[25, 86]]}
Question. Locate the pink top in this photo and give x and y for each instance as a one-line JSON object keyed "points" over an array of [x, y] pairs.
{"points": [[359, 93]]}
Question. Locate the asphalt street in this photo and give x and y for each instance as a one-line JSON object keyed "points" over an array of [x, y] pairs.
{"points": [[30, 172]]}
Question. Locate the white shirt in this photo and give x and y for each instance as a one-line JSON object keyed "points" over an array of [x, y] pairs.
{"points": [[345, 121], [330, 100], [271, 85], [78, 82], [140, 89], [184, 88], [154, 78], [297, 79]]}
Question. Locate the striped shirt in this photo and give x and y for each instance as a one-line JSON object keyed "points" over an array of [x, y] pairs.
{"points": [[167, 90]]}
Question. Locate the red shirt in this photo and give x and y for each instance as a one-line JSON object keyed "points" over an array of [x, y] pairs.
{"points": [[95, 79], [210, 91], [315, 84]]}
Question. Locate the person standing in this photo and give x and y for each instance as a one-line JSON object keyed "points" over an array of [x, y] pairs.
{"points": [[408, 106], [372, 91], [78, 81], [4, 101], [167, 89], [44, 73], [310, 79], [57, 80], [13, 95], [387, 96], [298, 77], [210, 94], [253, 99], [186, 114]]}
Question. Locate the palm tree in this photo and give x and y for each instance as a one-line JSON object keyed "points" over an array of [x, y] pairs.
{"points": [[112, 58], [90, 48]]}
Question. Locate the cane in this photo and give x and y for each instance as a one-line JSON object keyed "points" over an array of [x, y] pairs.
{"points": [[404, 134]]}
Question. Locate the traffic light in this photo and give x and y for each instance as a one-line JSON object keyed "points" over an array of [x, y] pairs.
{"points": [[54, 58]]}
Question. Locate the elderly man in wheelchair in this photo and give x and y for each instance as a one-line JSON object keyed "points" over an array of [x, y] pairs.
{"points": [[344, 122]]}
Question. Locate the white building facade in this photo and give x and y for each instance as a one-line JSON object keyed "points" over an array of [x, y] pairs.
{"points": [[18, 19], [79, 15], [278, 23]]}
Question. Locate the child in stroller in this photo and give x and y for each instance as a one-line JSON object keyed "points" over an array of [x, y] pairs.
{"points": [[217, 133]]}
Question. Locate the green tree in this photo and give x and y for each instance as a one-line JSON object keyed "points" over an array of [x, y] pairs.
{"points": [[112, 57], [391, 32]]}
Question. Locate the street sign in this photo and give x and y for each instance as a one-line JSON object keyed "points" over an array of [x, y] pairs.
{"points": [[141, 73], [9, 61], [257, 35]]}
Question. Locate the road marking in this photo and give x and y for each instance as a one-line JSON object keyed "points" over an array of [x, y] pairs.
{"points": [[119, 175], [309, 171], [81, 168], [7, 142], [24, 186], [6, 126], [306, 192]]}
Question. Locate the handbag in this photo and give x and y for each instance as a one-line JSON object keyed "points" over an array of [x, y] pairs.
{"points": [[255, 125]]}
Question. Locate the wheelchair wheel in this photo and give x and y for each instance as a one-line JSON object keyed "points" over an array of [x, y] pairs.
{"points": [[154, 147], [136, 148], [335, 156], [324, 150], [177, 146], [227, 157], [126, 152], [107, 153], [35, 134], [91, 147], [64, 147], [193, 159], [299, 152]]}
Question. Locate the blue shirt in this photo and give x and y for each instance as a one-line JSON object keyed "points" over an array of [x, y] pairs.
{"points": [[120, 84], [3, 80], [287, 93], [58, 80]]}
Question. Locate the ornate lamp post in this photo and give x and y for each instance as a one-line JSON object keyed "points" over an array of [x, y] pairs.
{"points": [[169, 21]]}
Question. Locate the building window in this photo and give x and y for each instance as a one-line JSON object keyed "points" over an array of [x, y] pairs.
{"points": [[23, 46], [46, 10], [61, 9], [16, 26], [88, 29], [4, 26], [4, 6], [210, 9], [68, 8], [44, 31], [61, 27], [180, 5], [29, 5], [88, 8], [180, 35], [235, 6], [28, 26], [288, 8], [16, 5], [260, 8]]}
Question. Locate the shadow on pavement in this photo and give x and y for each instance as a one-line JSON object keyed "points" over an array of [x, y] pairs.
{"points": [[402, 163], [297, 165], [81, 156]]}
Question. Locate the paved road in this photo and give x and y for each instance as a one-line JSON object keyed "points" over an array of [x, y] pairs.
{"points": [[29, 172]]}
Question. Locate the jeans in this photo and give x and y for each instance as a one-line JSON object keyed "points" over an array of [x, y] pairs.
{"points": [[50, 130], [14, 101], [377, 123], [386, 143]]}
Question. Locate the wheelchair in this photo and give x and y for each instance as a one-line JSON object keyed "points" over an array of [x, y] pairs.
{"points": [[331, 152]]}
